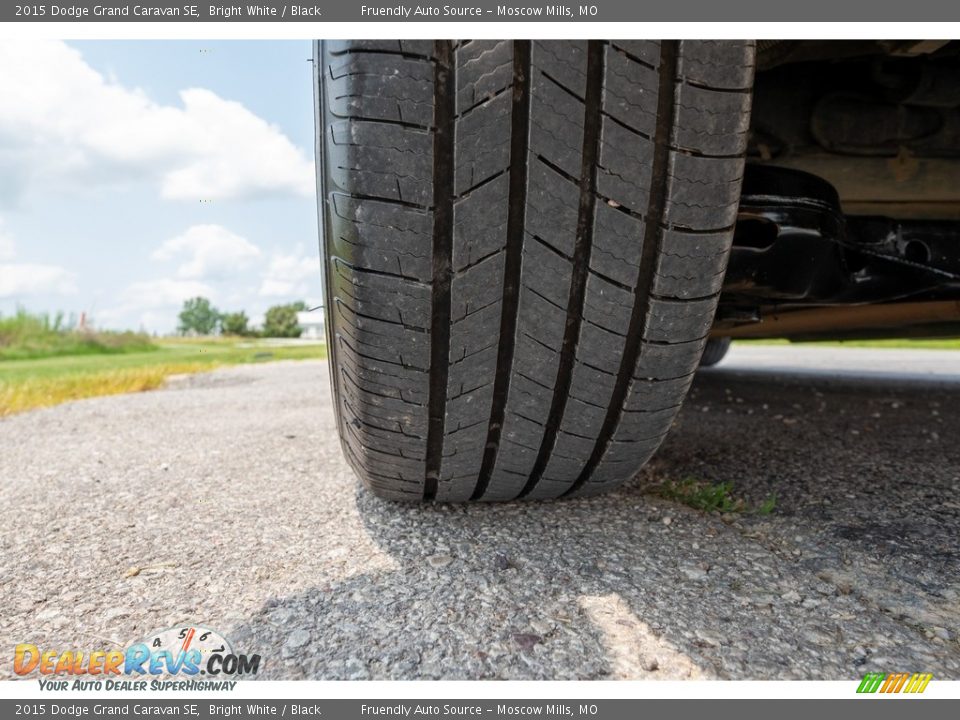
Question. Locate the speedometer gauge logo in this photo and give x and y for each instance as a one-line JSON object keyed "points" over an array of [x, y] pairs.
{"points": [[191, 650], [185, 638]]}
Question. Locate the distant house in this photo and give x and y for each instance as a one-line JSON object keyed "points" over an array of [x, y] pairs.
{"points": [[311, 324]]}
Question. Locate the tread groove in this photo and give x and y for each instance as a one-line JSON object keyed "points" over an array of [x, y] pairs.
{"points": [[652, 240], [561, 86], [389, 201], [592, 131], [445, 97], [382, 121], [376, 51], [516, 221]]}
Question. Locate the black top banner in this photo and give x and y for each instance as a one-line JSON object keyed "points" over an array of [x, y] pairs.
{"points": [[484, 11]]}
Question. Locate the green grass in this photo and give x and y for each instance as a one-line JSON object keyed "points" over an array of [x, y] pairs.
{"points": [[25, 336], [40, 382], [897, 343], [710, 497]]}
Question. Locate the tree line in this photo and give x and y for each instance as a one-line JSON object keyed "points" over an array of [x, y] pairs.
{"points": [[200, 317]]}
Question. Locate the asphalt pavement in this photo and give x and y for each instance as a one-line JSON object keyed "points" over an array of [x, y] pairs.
{"points": [[223, 500]]}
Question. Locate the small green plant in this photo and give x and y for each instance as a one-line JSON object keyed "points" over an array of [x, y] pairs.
{"points": [[710, 497], [767, 506]]}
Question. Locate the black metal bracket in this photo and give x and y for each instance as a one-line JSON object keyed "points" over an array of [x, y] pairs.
{"points": [[793, 247]]}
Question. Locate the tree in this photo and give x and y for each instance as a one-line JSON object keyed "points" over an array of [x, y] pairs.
{"points": [[281, 320], [235, 323], [198, 317]]}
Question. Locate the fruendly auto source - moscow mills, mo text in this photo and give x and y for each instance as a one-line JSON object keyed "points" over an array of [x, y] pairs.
{"points": [[425, 11]]}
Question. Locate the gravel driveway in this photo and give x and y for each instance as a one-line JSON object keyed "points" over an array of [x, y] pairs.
{"points": [[223, 500]]}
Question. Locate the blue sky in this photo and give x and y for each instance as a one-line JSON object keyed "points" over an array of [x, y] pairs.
{"points": [[136, 174]]}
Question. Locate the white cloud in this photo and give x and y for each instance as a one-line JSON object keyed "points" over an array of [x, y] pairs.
{"points": [[208, 251], [294, 276], [63, 122], [7, 247], [164, 292], [18, 279], [152, 304]]}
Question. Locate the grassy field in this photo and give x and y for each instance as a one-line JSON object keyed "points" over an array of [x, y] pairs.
{"points": [[24, 336], [40, 382]]}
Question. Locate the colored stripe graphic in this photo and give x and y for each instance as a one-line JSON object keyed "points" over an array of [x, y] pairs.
{"points": [[918, 683], [870, 683], [894, 683]]}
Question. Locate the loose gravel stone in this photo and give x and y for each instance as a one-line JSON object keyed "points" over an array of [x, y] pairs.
{"points": [[297, 639], [694, 572]]}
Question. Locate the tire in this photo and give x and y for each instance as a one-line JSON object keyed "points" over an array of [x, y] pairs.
{"points": [[715, 351], [523, 245]]}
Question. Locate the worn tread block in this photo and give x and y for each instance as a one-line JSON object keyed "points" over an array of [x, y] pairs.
{"points": [[480, 223], [711, 123], [483, 144], [413, 47], [385, 296], [691, 265], [551, 208], [657, 394], [722, 64], [617, 244], [673, 321], [607, 305], [556, 126], [630, 92], [380, 236], [687, 203], [383, 87], [547, 277], [383, 161], [484, 70], [625, 167], [591, 383], [646, 52], [565, 61]]}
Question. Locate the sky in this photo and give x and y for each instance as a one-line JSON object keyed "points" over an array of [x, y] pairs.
{"points": [[137, 174]]}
